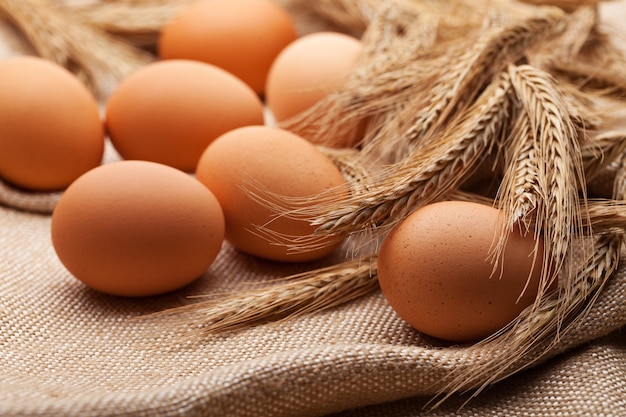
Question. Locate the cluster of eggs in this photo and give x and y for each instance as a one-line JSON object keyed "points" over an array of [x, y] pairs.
{"points": [[193, 134]]}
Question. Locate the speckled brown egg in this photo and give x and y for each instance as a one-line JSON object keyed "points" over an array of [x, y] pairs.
{"points": [[267, 161], [435, 271], [50, 126], [169, 111], [137, 228]]}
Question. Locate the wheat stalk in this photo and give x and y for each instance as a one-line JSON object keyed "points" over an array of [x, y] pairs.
{"points": [[296, 295], [98, 59]]}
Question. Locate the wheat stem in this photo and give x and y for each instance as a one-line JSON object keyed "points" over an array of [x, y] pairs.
{"points": [[306, 293]]}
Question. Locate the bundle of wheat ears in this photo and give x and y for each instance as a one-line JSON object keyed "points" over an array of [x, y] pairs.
{"points": [[512, 104]]}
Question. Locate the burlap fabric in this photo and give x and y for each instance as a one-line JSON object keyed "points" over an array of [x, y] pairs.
{"points": [[69, 351]]}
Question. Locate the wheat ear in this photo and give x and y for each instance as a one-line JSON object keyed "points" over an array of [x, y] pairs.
{"points": [[429, 173], [519, 192], [466, 76], [306, 293], [98, 59], [560, 175]]}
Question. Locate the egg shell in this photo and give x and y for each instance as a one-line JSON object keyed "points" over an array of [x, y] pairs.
{"points": [[169, 111], [137, 228], [241, 36], [282, 163], [50, 125], [307, 71], [434, 269]]}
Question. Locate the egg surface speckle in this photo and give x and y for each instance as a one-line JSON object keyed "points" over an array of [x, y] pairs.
{"points": [[137, 228], [282, 163], [434, 270]]}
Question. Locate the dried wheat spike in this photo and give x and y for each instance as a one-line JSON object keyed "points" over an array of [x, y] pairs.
{"points": [[560, 168], [355, 173], [431, 172], [520, 191], [579, 27], [606, 216], [99, 60], [306, 293], [467, 74]]}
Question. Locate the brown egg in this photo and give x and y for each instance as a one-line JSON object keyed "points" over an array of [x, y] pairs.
{"points": [[282, 163], [169, 111], [241, 36], [307, 71], [137, 228], [50, 126], [434, 270]]}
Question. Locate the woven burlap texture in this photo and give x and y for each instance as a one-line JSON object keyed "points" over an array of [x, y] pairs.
{"points": [[68, 350]]}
